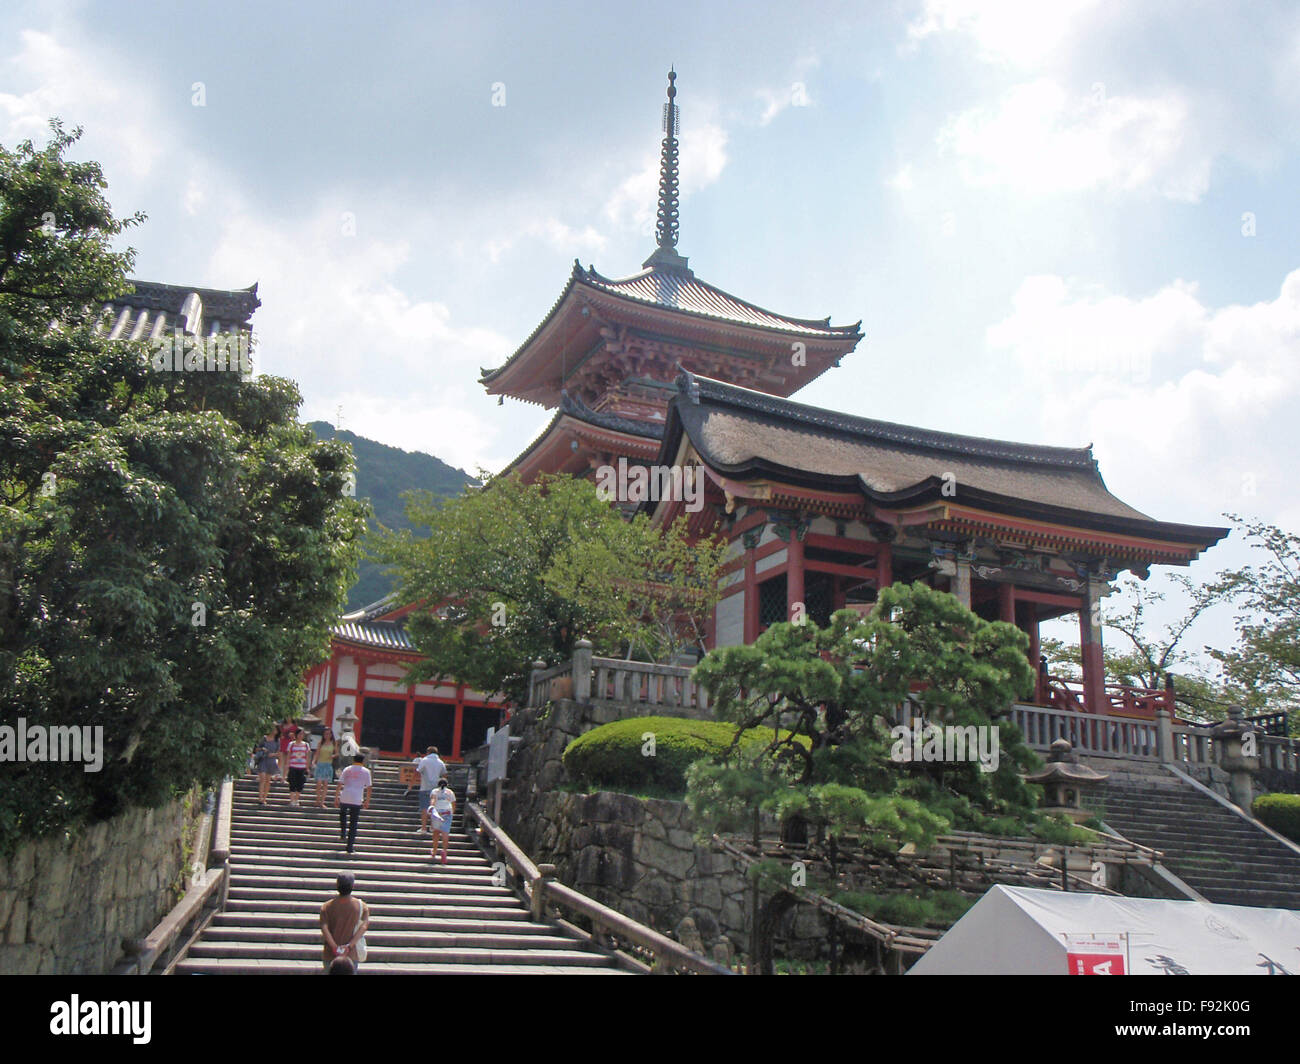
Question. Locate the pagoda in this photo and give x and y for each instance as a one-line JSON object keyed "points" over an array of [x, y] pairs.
{"points": [[822, 509], [607, 355]]}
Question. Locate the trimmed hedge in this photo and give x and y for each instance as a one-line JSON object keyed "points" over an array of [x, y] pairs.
{"points": [[611, 755], [1281, 812]]}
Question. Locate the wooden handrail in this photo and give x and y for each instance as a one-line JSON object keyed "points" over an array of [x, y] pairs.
{"points": [[665, 950]]}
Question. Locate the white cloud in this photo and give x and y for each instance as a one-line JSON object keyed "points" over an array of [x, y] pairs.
{"points": [[1039, 141], [793, 93], [1021, 32], [703, 157], [1212, 425], [77, 87]]}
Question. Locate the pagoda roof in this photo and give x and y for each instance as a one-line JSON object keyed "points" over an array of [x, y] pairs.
{"points": [[152, 309], [681, 290], [748, 435], [573, 414], [680, 304]]}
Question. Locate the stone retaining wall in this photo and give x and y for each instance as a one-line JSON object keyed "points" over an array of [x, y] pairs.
{"points": [[639, 856], [66, 905]]}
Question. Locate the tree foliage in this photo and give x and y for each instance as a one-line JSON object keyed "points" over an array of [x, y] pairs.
{"points": [[514, 573], [1266, 659], [173, 545], [837, 687]]}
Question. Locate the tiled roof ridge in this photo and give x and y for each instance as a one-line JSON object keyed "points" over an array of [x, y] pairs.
{"points": [[692, 386], [217, 302], [616, 286], [575, 407], [487, 375]]}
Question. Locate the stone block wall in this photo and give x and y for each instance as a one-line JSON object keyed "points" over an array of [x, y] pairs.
{"points": [[639, 856], [67, 904]]}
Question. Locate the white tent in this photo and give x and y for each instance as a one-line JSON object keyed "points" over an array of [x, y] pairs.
{"points": [[1021, 931]]}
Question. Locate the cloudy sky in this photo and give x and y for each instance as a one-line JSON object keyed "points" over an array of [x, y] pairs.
{"points": [[1063, 223]]}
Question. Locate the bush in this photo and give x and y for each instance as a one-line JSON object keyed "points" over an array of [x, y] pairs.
{"points": [[613, 754], [1281, 812]]}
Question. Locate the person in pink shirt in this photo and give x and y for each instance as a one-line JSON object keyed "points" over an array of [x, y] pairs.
{"points": [[299, 755]]}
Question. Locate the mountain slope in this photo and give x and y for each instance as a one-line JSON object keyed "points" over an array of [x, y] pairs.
{"points": [[383, 473]]}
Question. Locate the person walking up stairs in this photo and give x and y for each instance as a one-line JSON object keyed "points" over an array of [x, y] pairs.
{"points": [[424, 918]]}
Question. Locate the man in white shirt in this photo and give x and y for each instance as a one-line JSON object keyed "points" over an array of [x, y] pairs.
{"points": [[432, 770], [351, 796]]}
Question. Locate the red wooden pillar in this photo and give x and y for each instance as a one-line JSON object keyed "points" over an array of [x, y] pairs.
{"points": [[1007, 603], [884, 566], [794, 579], [408, 722], [1094, 666], [1035, 646], [458, 721]]}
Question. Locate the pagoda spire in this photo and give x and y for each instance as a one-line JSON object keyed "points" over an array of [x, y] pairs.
{"points": [[665, 256]]}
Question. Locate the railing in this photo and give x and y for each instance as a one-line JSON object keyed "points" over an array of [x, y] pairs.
{"points": [[168, 943], [539, 683], [1120, 700], [544, 891], [1088, 733], [651, 685], [611, 679]]}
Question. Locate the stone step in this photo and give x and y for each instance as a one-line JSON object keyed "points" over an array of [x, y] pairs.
{"points": [[281, 920], [234, 966], [398, 938], [427, 917], [404, 890], [423, 954], [480, 912]]}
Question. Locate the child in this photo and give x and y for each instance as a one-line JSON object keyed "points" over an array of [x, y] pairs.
{"points": [[442, 803]]}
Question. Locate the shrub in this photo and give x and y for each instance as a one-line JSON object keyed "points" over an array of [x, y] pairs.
{"points": [[612, 755], [1281, 812]]}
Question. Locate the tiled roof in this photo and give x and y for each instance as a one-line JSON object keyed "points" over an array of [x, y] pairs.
{"points": [[386, 635], [743, 433], [682, 290], [154, 309], [576, 408]]}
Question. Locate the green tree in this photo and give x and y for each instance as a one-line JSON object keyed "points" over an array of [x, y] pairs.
{"points": [[1266, 660], [1138, 653], [514, 573], [836, 687], [173, 545]]}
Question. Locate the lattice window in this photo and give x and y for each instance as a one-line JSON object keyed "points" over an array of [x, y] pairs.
{"points": [[819, 597], [772, 601]]}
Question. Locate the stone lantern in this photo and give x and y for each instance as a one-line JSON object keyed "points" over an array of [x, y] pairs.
{"points": [[1065, 782], [1238, 755]]}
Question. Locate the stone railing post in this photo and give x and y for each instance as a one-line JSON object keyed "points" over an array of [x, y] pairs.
{"points": [[1238, 755], [582, 671], [539, 667], [538, 899], [1165, 736]]}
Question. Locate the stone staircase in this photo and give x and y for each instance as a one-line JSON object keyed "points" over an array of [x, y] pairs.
{"points": [[426, 918], [1215, 852]]}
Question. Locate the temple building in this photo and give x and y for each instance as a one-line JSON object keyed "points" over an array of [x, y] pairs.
{"points": [[359, 688], [822, 509]]}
